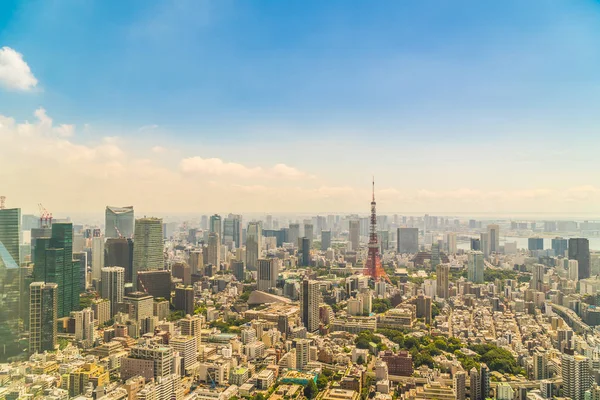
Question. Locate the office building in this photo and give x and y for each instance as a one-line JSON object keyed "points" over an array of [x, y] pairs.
{"points": [[101, 309], [310, 298], [579, 249], [147, 247], [84, 327], [214, 249], [97, 257], [81, 260], [140, 305], [305, 252], [534, 244], [187, 348], [399, 364], [43, 314], [354, 234], [182, 270], [253, 245], [149, 361], [232, 231], [435, 255], [485, 243], [238, 269], [537, 277], [294, 233], [408, 240], [451, 242], [309, 232], [216, 225], [119, 222], [14, 289], [118, 252], [10, 233], [113, 287], [475, 267], [573, 270], [54, 264], [184, 299], [560, 247], [475, 244], [325, 240], [191, 325], [268, 270], [155, 283], [443, 275], [493, 234], [423, 308]]}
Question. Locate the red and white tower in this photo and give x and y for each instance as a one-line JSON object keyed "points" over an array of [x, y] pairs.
{"points": [[373, 266]]}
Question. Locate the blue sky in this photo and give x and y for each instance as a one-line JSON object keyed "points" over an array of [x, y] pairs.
{"points": [[472, 89]]}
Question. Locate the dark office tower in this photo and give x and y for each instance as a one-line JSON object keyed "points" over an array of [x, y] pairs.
{"points": [[239, 270], [579, 249], [305, 259], [408, 240], [309, 232], [268, 270], [38, 233], [310, 298], [215, 225], [534, 244], [155, 283], [10, 231], [560, 246], [232, 230], [484, 374], [43, 305], [192, 235], [118, 252], [294, 234], [475, 244], [325, 240], [182, 271], [119, 222], [113, 287], [472, 224], [81, 259], [54, 264], [184, 299]]}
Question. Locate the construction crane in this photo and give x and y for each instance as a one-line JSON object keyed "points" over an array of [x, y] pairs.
{"points": [[45, 217], [2, 200]]}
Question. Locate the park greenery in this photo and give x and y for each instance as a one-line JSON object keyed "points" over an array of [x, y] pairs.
{"points": [[381, 305]]}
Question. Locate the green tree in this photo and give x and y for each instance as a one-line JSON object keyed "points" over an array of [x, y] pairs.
{"points": [[322, 382], [360, 360], [311, 390]]}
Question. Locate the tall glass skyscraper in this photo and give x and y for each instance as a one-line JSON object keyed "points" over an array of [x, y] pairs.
{"points": [[147, 247], [119, 222]]}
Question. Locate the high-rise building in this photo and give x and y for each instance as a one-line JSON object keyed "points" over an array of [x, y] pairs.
{"points": [[268, 270], [493, 233], [540, 364], [97, 257], [579, 249], [451, 242], [576, 375], [475, 267], [187, 348], [119, 222], [239, 270], [354, 234], [294, 233], [232, 230], [573, 270], [140, 305], [216, 225], [155, 283], [302, 347], [534, 244], [214, 249], [147, 247], [408, 240], [474, 385], [442, 275], [182, 270], [484, 378], [435, 255], [475, 244], [325, 240], [484, 240], [161, 358], [10, 232], [118, 252], [113, 286], [305, 250], [184, 299], [253, 245], [560, 246], [54, 263], [43, 314], [13, 287], [81, 259], [460, 385], [84, 326], [423, 307], [191, 325], [537, 277], [310, 298], [309, 232]]}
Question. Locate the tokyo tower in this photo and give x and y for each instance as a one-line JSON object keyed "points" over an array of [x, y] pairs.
{"points": [[373, 266]]}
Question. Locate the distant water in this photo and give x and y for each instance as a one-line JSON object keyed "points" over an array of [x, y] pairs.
{"points": [[522, 243]]}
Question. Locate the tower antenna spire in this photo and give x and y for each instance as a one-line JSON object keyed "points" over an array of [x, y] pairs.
{"points": [[373, 188]]}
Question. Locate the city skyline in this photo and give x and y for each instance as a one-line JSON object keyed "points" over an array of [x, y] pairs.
{"points": [[456, 110]]}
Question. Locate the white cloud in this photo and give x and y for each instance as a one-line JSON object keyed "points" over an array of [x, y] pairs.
{"points": [[147, 128], [158, 149], [218, 167], [15, 74]]}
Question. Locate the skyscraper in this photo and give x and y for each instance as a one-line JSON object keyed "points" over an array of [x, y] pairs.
{"points": [[184, 299], [537, 278], [239, 270], [214, 249], [408, 240], [579, 249], [268, 270], [484, 240], [534, 244], [84, 326], [460, 383], [43, 313], [573, 271], [119, 222], [325, 240], [310, 297], [576, 375], [475, 267], [191, 325], [294, 234], [147, 247], [302, 347], [118, 252], [354, 234], [560, 246], [232, 230], [113, 286], [309, 232], [435, 254], [474, 385], [305, 249], [451, 242], [10, 231], [442, 275], [54, 263], [253, 245], [493, 234], [97, 257], [216, 225]]}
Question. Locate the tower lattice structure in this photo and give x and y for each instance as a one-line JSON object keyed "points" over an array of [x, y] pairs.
{"points": [[373, 266]]}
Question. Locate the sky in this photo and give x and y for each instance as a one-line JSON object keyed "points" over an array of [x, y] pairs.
{"points": [[293, 106]]}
